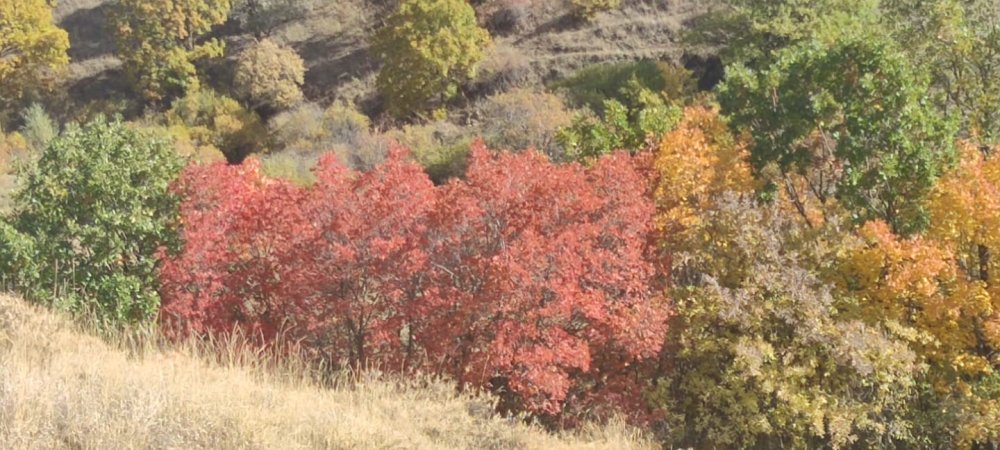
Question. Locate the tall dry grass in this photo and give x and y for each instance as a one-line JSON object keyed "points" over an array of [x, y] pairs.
{"points": [[63, 387]]}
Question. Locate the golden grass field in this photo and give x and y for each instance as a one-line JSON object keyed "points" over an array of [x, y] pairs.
{"points": [[64, 387]]}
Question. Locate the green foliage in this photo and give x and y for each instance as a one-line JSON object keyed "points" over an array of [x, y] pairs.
{"points": [[762, 358], [622, 127], [593, 86], [17, 253], [857, 102], [441, 147], [270, 76], [219, 121], [263, 17], [428, 48], [38, 128], [89, 219], [958, 41], [32, 48], [750, 32], [159, 42], [588, 9]]}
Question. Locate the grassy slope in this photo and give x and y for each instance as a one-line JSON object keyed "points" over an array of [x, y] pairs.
{"points": [[63, 388]]}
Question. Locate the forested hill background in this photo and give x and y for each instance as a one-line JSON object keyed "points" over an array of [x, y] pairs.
{"points": [[535, 42]]}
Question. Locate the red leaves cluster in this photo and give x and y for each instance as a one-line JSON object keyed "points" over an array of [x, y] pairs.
{"points": [[526, 275]]}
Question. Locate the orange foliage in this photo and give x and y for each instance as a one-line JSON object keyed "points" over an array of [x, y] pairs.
{"points": [[915, 282], [696, 162]]}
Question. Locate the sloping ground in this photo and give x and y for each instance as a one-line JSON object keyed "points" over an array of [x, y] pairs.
{"points": [[62, 388], [333, 40]]}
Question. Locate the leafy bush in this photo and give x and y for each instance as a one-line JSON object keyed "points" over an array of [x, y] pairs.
{"points": [[523, 119], [441, 147], [428, 48], [32, 49], [588, 9], [771, 358], [593, 86], [38, 128], [270, 76], [219, 121], [89, 219], [622, 127], [533, 279]]}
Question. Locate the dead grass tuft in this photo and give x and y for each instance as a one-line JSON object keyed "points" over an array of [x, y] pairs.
{"points": [[61, 387]]}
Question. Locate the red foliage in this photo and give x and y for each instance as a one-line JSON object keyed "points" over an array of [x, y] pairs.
{"points": [[238, 229], [544, 277], [528, 276]]}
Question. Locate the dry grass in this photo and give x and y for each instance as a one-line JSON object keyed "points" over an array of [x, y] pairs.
{"points": [[63, 388]]}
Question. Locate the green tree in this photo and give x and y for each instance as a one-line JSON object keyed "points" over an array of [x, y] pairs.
{"points": [[263, 17], [32, 48], [428, 48], [270, 76], [750, 32], [160, 40], [959, 42], [89, 219], [856, 103]]}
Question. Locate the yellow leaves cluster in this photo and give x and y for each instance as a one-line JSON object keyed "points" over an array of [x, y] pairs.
{"points": [[916, 281], [696, 163], [32, 48], [941, 284]]}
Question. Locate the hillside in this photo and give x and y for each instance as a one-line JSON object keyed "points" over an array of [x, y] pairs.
{"points": [[332, 37], [61, 387]]}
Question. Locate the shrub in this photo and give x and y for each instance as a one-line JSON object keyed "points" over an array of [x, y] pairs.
{"points": [[529, 278], [593, 86], [771, 358], [504, 68], [588, 9], [428, 48], [309, 131], [263, 17], [440, 147], [622, 127], [32, 49], [523, 119], [269, 76], [220, 121], [38, 128], [13, 147], [94, 210], [509, 17]]}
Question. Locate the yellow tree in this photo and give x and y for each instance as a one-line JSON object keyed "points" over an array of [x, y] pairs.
{"points": [[940, 292], [696, 163], [32, 48], [159, 41], [429, 47]]}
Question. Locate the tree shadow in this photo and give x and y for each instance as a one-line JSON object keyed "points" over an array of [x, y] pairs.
{"points": [[89, 35]]}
